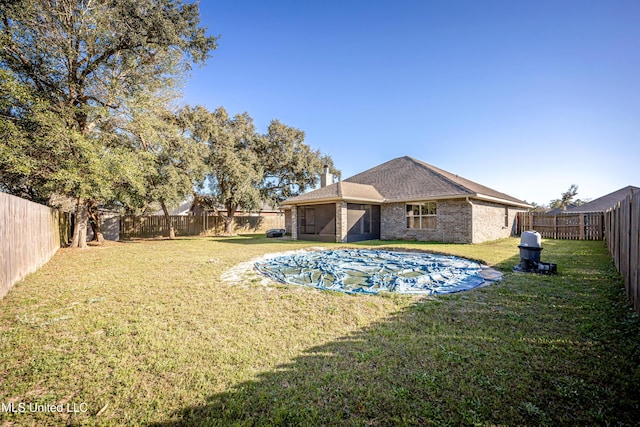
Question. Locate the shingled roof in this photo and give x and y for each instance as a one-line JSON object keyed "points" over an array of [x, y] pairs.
{"points": [[346, 191], [406, 179], [605, 202]]}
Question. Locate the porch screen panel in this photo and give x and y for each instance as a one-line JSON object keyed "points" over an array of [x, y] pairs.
{"points": [[363, 222], [317, 220]]}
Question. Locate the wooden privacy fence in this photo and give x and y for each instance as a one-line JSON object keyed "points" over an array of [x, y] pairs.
{"points": [[622, 231], [30, 234], [192, 225], [570, 226]]}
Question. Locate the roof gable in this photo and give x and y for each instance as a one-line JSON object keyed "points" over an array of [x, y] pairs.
{"points": [[406, 178]]}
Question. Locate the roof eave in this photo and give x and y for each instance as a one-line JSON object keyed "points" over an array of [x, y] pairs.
{"points": [[407, 200], [333, 200], [423, 199], [502, 201], [462, 196]]}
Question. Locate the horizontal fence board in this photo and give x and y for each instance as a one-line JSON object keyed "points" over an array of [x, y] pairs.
{"points": [[151, 226]]}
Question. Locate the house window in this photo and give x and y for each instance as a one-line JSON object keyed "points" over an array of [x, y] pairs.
{"points": [[422, 216], [506, 217]]}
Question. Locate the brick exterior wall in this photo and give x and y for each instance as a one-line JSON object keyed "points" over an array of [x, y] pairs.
{"points": [[458, 222], [489, 221], [294, 223], [453, 225], [341, 222], [287, 220]]}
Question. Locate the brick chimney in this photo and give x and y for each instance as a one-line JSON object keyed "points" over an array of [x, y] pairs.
{"points": [[326, 178]]}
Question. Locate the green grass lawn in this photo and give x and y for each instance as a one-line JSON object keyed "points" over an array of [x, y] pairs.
{"points": [[147, 333]]}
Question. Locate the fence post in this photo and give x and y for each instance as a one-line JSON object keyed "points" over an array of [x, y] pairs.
{"points": [[630, 221], [628, 261]]}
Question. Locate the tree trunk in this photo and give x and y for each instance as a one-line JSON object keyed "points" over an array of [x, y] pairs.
{"points": [[80, 227], [229, 220], [94, 219], [98, 237], [229, 223], [172, 232]]}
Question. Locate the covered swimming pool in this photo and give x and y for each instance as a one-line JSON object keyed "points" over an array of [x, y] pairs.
{"points": [[372, 271]]}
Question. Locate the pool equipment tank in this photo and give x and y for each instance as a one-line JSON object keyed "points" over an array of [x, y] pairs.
{"points": [[530, 248]]}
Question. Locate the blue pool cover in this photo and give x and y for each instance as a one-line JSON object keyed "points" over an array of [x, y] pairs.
{"points": [[373, 271]]}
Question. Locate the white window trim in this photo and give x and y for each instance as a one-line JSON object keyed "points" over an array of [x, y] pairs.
{"points": [[419, 217]]}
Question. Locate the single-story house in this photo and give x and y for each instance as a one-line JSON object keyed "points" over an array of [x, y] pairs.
{"points": [[601, 204], [406, 199], [183, 209], [560, 210]]}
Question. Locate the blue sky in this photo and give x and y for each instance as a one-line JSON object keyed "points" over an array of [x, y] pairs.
{"points": [[524, 97]]}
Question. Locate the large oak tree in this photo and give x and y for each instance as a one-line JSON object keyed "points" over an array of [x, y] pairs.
{"points": [[291, 166], [82, 63], [177, 158], [248, 168]]}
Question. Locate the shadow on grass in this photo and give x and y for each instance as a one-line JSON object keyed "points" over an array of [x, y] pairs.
{"points": [[129, 241], [258, 238], [475, 358], [252, 239], [244, 239]]}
